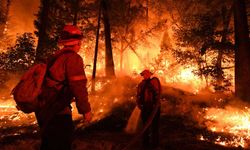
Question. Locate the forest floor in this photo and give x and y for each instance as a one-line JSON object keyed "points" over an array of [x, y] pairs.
{"points": [[175, 134], [178, 129]]}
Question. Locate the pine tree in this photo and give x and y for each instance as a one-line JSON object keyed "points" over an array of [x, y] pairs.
{"points": [[53, 15], [4, 15], [242, 54], [207, 42], [22, 55], [4, 12], [126, 17]]}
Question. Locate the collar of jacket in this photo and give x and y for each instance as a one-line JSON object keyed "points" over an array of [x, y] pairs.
{"points": [[63, 50]]}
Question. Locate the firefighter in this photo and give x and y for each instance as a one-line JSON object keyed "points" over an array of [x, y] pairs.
{"points": [[148, 101], [64, 81]]}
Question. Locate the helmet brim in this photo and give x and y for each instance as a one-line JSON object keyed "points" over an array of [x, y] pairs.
{"points": [[68, 42], [146, 72]]}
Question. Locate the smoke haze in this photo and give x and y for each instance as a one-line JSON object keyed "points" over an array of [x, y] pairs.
{"points": [[22, 16]]}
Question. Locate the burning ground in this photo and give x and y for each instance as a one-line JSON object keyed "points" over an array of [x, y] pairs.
{"points": [[188, 121], [181, 41]]}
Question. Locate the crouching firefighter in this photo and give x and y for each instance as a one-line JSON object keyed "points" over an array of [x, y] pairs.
{"points": [[148, 101], [65, 80]]}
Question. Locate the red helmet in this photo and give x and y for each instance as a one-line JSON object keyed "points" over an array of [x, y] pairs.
{"points": [[146, 71], [71, 35]]}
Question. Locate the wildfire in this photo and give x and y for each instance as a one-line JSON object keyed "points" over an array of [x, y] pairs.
{"points": [[101, 106], [231, 120], [187, 76], [12, 118]]}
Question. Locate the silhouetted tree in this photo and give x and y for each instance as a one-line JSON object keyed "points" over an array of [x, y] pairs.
{"points": [[242, 53], [4, 13], [42, 24], [109, 62], [51, 18], [22, 55], [204, 38]]}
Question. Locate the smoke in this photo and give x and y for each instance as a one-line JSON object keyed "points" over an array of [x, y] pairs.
{"points": [[224, 117], [22, 16], [177, 102], [111, 97]]}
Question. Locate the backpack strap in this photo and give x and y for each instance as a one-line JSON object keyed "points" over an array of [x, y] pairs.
{"points": [[54, 106], [51, 62], [151, 87]]}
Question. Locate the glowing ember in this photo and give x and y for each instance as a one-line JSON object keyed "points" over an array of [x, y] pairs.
{"points": [[101, 105], [187, 76], [184, 79], [115, 100], [231, 120]]}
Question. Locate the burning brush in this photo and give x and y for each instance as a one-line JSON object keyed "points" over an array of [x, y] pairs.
{"points": [[232, 122]]}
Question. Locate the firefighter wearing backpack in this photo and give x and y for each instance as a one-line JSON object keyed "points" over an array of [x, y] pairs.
{"points": [[64, 81], [148, 101]]}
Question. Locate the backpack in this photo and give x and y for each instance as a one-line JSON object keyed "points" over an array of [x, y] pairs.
{"points": [[148, 92], [26, 92]]}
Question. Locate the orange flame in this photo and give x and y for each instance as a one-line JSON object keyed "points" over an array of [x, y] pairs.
{"points": [[232, 120]]}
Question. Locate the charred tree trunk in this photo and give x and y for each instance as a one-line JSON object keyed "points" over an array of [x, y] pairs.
{"points": [[4, 10], [219, 68], [75, 11], [7, 11], [96, 51], [242, 51], [121, 56], [110, 72], [226, 19], [42, 34], [2, 17]]}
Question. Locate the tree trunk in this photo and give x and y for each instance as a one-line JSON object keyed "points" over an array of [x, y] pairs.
{"points": [[226, 20], [242, 52], [2, 18], [75, 10], [42, 35], [96, 51], [121, 56], [4, 10], [110, 72]]}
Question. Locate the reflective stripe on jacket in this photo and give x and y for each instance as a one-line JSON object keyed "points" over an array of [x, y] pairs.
{"points": [[68, 68]]}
